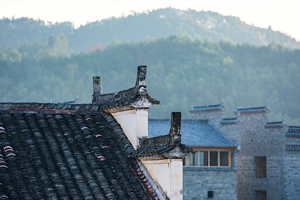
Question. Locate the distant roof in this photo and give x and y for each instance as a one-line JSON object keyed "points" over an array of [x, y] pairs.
{"points": [[274, 124], [292, 147], [253, 109], [293, 131], [229, 120], [166, 145], [55, 153], [207, 108], [193, 133]]}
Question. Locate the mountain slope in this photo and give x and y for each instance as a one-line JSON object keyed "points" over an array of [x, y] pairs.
{"points": [[159, 23], [181, 71]]}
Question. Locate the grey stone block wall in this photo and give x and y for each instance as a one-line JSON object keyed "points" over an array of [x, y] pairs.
{"points": [[257, 140], [253, 139], [291, 175], [214, 116], [197, 183]]}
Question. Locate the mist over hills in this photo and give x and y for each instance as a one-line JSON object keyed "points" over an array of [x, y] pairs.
{"points": [[156, 24]]}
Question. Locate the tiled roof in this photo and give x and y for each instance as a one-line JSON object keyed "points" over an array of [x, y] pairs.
{"points": [[207, 108], [274, 124], [193, 133], [166, 145], [131, 98], [229, 120], [67, 155], [293, 131], [292, 147], [208, 169], [254, 109]]}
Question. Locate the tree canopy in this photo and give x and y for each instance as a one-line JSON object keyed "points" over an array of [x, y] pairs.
{"points": [[181, 72]]}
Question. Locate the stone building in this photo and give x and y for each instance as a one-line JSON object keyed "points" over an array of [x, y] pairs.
{"points": [[90, 151], [210, 173], [267, 158]]}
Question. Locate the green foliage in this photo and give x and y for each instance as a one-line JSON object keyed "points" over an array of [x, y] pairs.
{"points": [[181, 72]]}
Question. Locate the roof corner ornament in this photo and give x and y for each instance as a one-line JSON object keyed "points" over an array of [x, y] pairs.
{"points": [[141, 80]]}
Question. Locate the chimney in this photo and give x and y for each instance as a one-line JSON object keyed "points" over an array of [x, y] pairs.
{"points": [[141, 80], [175, 123], [97, 87]]}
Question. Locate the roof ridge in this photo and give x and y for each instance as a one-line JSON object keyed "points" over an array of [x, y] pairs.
{"points": [[208, 107], [196, 120]]}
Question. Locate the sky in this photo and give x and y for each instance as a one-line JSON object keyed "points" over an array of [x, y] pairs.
{"points": [[281, 15]]}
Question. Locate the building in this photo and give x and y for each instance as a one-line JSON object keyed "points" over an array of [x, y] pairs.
{"points": [[264, 165], [210, 173], [90, 151]]}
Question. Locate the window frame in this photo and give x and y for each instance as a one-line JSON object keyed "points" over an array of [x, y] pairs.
{"points": [[261, 195], [261, 173], [209, 149]]}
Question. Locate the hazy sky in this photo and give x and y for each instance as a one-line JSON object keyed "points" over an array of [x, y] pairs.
{"points": [[280, 15]]}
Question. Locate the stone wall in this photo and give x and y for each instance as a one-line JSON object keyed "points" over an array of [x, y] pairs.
{"points": [[214, 116], [291, 175], [254, 139], [257, 140], [197, 183], [232, 132]]}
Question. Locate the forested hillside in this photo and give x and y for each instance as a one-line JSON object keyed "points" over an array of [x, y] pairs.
{"points": [[156, 24], [181, 71]]}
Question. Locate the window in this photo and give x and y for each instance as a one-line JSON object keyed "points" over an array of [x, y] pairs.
{"points": [[213, 158], [193, 159], [203, 158], [261, 167], [223, 158], [210, 157], [261, 195], [210, 194]]}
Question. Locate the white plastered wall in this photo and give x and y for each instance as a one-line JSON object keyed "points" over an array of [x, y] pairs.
{"points": [[168, 174], [134, 124]]}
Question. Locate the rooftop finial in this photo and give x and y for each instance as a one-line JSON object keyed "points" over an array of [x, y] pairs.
{"points": [[175, 123], [97, 87], [141, 80]]}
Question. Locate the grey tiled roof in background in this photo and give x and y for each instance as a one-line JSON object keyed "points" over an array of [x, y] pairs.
{"points": [[292, 147], [274, 124], [254, 109], [208, 107], [293, 131], [229, 120], [193, 133]]}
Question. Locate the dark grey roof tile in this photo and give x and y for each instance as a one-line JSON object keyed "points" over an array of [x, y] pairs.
{"points": [[68, 156]]}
